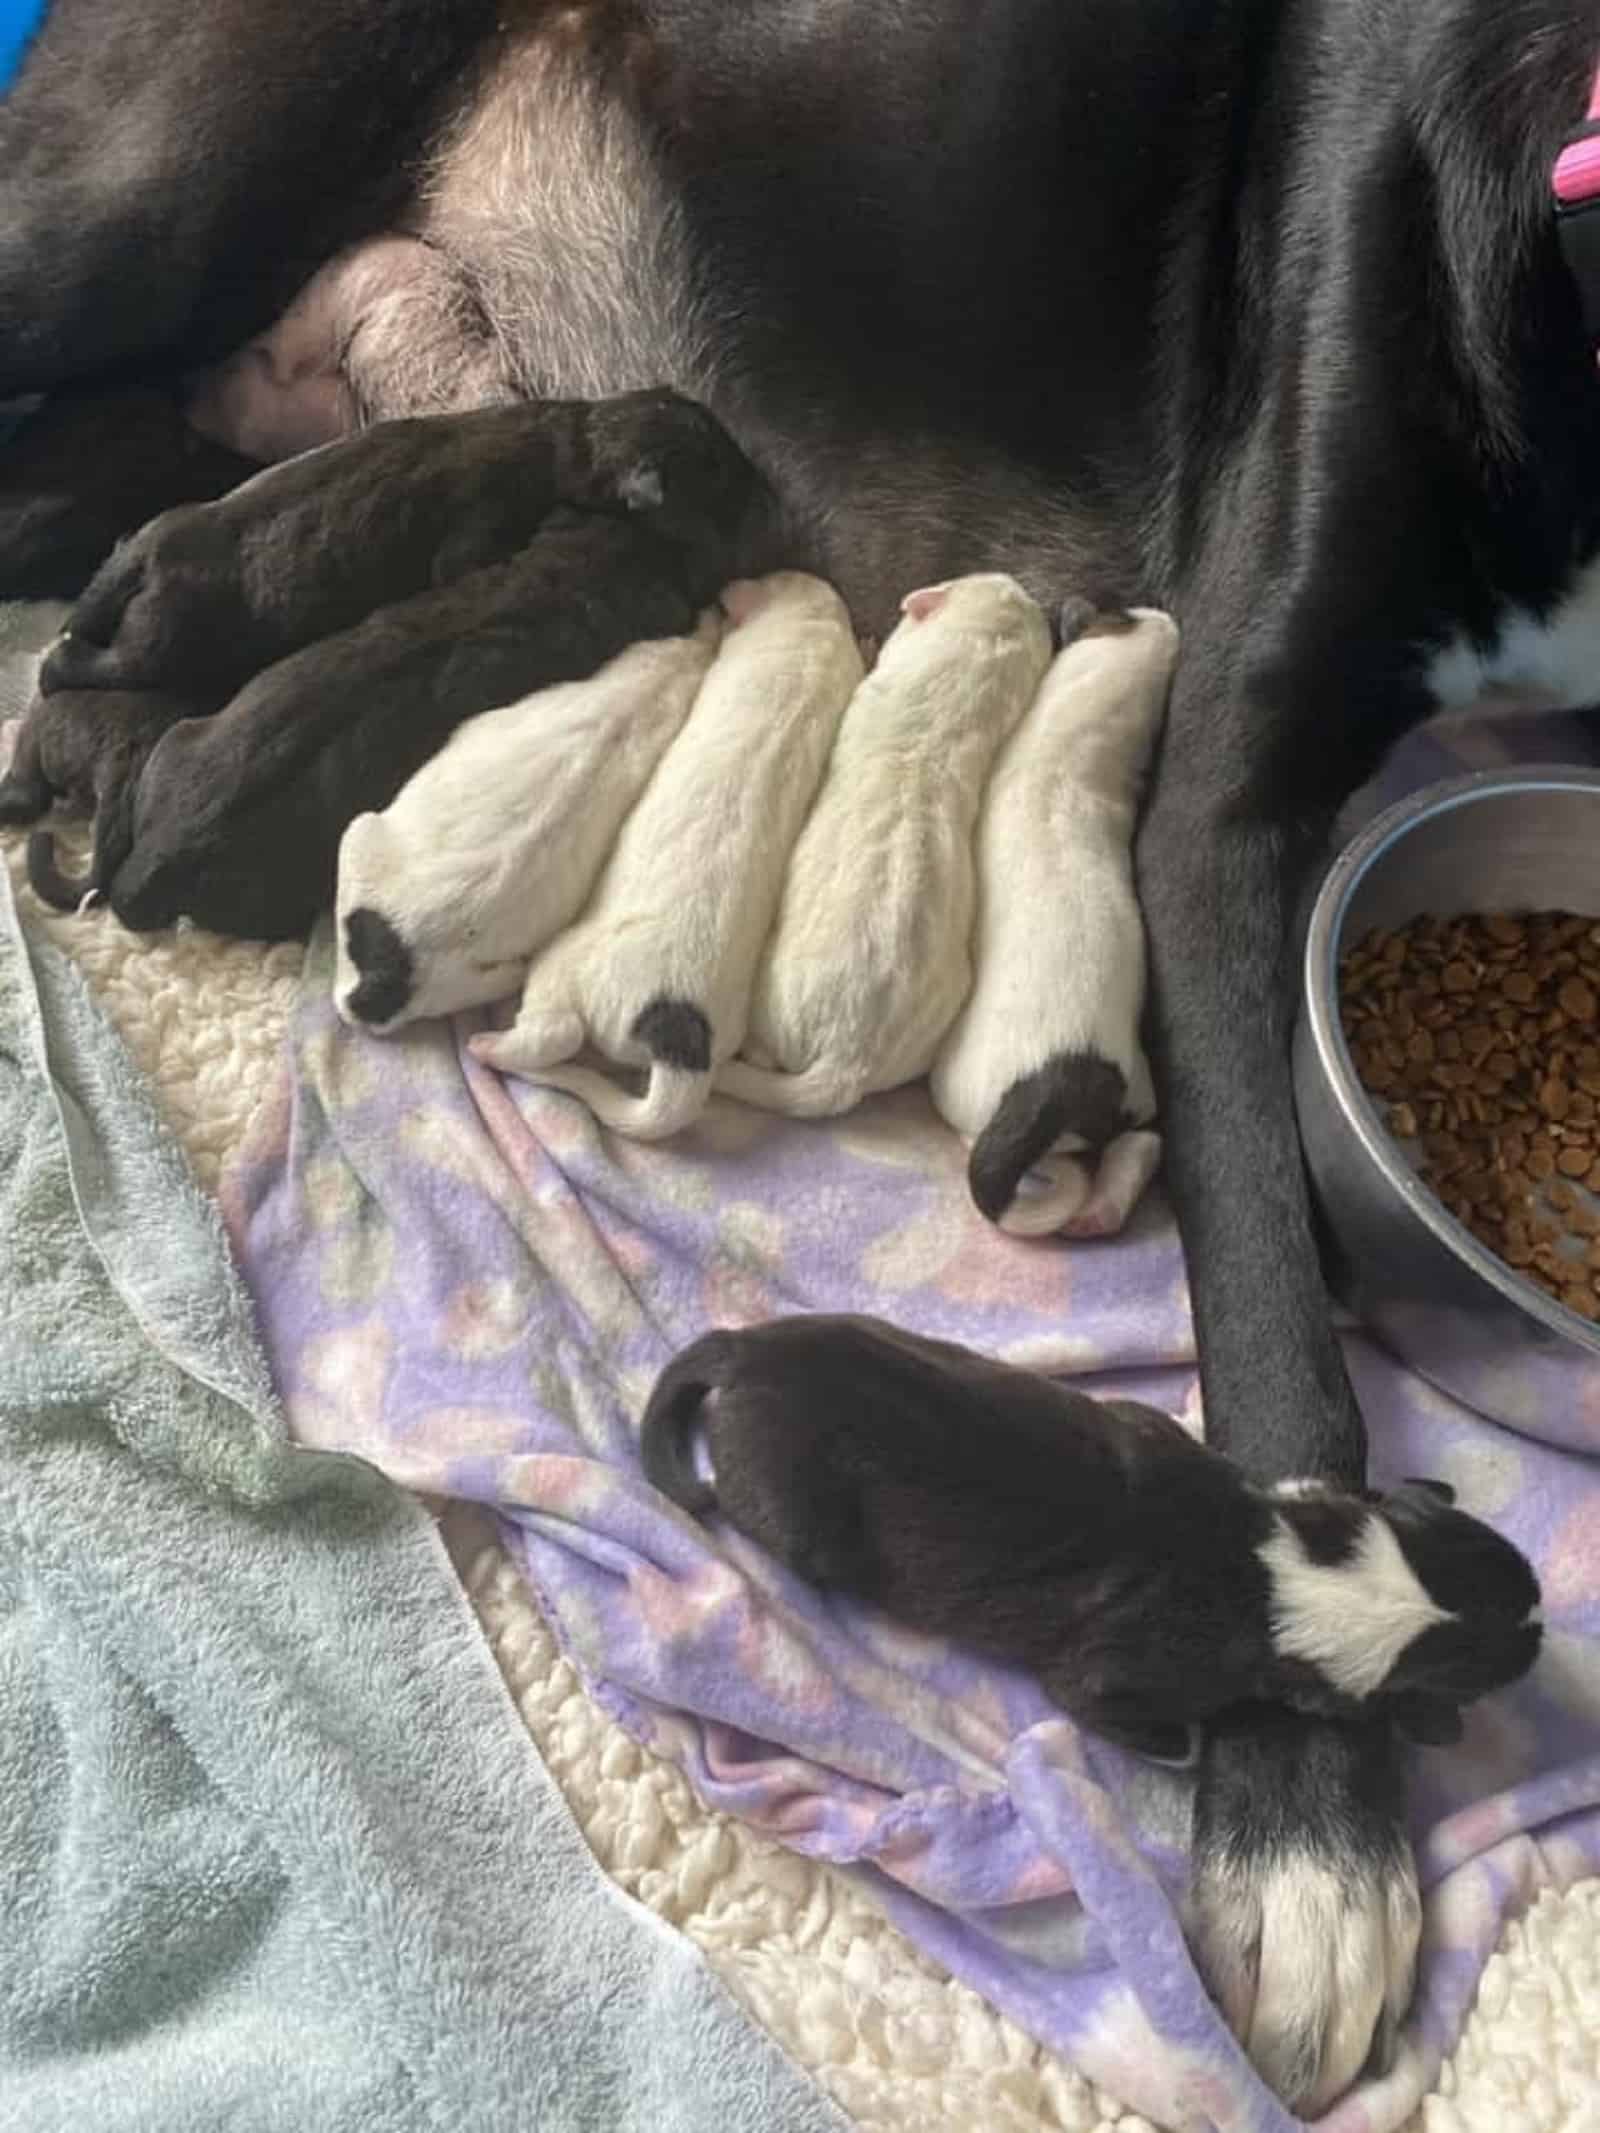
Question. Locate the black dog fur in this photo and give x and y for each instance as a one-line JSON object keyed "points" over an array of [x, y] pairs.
{"points": [[1090, 1543], [238, 816], [1251, 308], [206, 597]]}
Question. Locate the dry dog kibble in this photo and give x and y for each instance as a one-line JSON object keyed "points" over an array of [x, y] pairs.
{"points": [[1480, 1039]]}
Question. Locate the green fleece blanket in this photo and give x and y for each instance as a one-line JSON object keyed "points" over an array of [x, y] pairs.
{"points": [[275, 1852]]}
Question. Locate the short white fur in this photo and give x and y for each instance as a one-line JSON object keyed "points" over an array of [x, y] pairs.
{"points": [[1551, 665], [1060, 946], [871, 956], [492, 848], [690, 891], [1351, 1620]]}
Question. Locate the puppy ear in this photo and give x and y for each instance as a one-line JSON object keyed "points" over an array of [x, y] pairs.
{"points": [[1417, 1500], [925, 601], [640, 487], [1441, 1491]]}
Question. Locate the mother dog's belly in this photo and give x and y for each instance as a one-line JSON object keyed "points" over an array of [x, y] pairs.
{"points": [[547, 253]]}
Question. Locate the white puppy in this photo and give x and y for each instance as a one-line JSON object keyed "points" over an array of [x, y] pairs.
{"points": [[657, 972], [446, 897], [871, 956], [1044, 1064]]}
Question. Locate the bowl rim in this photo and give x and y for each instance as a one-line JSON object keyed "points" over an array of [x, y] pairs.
{"points": [[1320, 997]]}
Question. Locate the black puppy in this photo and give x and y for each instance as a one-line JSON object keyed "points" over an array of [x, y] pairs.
{"points": [[1144, 1581], [238, 816], [208, 596], [86, 747]]}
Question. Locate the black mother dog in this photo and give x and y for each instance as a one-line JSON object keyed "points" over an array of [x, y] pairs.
{"points": [[1252, 309]]}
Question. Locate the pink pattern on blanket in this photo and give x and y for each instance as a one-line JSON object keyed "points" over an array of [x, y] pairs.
{"points": [[473, 1287]]}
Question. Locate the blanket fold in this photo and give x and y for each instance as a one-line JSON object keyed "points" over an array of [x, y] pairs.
{"points": [[275, 1850], [474, 1286]]}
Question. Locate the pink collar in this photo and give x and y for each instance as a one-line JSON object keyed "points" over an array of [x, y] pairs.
{"points": [[1575, 182]]}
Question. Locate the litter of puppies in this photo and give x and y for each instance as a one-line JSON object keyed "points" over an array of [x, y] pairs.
{"points": [[709, 845]]}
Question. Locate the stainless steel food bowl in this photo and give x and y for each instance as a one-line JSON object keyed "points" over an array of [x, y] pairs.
{"points": [[1527, 840]]}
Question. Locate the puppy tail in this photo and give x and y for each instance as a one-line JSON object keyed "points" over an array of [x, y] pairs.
{"points": [[667, 1435], [532, 1043], [1074, 1094], [817, 1091], [674, 1032], [49, 883], [672, 1100]]}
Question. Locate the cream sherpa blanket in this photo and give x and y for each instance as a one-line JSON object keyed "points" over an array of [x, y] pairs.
{"points": [[898, 2043]]}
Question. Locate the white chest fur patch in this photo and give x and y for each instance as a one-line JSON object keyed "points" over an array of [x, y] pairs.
{"points": [[1553, 665], [1349, 1620]]}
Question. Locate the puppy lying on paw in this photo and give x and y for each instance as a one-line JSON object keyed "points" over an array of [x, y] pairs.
{"points": [[207, 596], [85, 748], [1043, 1071], [657, 972], [870, 959], [1144, 1581], [238, 817], [446, 897]]}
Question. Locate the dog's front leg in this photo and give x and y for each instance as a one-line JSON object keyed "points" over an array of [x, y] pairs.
{"points": [[1305, 1909]]}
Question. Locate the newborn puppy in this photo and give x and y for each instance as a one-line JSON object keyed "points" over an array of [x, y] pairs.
{"points": [[871, 959], [207, 596], [445, 898], [85, 748], [1044, 1061], [238, 817], [657, 972], [1144, 1581]]}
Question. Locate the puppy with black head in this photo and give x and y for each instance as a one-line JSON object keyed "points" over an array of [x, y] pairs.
{"points": [[1144, 1581], [207, 596], [239, 816]]}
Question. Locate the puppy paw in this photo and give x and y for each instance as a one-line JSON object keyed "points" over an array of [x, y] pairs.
{"points": [[1125, 1168], [1305, 1910]]}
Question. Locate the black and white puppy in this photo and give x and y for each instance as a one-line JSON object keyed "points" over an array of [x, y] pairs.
{"points": [[238, 817], [1144, 1581], [85, 747], [207, 596], [1043, 1073]]}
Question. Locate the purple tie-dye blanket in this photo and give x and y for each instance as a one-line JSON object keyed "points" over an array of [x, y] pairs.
{"points": [[466, 1283]]}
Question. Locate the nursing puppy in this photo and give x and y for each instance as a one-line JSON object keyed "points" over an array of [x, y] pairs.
{"points": [[870, 959], [207, 596], [1044, 1063], [493, 846], [238, 817], [657, 973], [84, 748], [1144, 1581]]}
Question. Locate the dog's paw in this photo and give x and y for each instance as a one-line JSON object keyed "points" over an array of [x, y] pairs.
{"points": [[1305, 1911]]}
